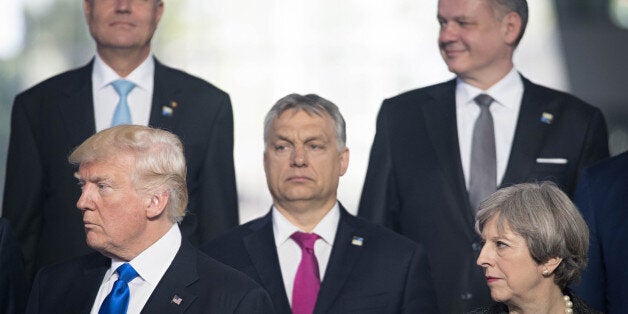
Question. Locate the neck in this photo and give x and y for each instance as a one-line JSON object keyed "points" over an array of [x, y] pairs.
{"points": [[138, 245], [487, 79], [305, 215], [123, 61], [549, 302]]}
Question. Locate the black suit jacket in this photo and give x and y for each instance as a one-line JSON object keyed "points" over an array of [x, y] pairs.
{"points": [[12, 281], [55, 116], [203, 284], [415, 183], [602, 197], [386, 274]]}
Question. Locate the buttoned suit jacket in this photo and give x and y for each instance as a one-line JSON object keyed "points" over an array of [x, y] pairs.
{"points": [[52, 118], [416, 186], [382, 273], [602, 197], [201, 284]]}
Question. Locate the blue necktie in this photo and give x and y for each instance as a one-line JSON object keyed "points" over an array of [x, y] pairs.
{"points": [[122, 115], [118, 299]]}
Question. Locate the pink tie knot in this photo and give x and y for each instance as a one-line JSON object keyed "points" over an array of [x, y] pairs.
{"points": [[305, 240]]}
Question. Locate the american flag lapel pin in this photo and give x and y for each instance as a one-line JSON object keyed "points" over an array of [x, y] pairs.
{"points": [[357, 241], [176, 299], [547, 118]]}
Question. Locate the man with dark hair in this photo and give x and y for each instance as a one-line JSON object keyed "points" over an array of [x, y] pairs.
{"points": [[440, 150], [308, 252], [123, 84]]}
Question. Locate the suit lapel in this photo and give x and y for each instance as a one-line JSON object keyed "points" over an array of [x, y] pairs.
{"points": [[165, 99], [77, 109], [341, 261], [176, 283], [260, 246], [82, 294], [441, 125], [529, 133]]}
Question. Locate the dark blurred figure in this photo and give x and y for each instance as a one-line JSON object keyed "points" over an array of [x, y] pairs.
{"points": [[440, 150], [602, 197], [123, 84], [12, 282]]}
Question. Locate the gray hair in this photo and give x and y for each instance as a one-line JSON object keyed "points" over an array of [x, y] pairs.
{"points": [[520, 7], [311, 104], [549, 222], [159, 160]]}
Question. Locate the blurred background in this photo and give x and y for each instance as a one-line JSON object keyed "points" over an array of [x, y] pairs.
{"points": [[353, 52]]}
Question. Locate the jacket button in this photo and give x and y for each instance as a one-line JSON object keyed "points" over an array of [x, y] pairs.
{"points": [[476, 247], [466, 296]]}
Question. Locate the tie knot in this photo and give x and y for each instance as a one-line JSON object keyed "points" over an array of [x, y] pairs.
{"points": [[484, 100], [123, 87], [126, 272], [305, 240]]}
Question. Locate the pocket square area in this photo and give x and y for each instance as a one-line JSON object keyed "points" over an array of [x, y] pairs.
{"points": [[556, 161]]}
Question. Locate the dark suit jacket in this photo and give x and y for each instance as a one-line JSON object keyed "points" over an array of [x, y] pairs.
{"points": [[12, 281], [415, 184], [386, 274], [57, 115], [602, 197], [203, 284]]}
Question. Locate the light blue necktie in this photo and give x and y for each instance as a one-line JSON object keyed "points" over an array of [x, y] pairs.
{"points": [[122, 115], [118, 299]]}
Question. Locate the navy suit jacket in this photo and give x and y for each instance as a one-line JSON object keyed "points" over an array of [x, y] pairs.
{"points": [[203, 284], [55, 116], [602, 197], [415, 183], [387, 273], [12, 281]]}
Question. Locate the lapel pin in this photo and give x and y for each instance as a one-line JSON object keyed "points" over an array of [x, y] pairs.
{"points": [[547, 118], [176, 299], [166, 111], [357, 241]]}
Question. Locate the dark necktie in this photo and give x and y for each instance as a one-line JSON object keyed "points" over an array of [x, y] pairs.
{"points": [[118, 299], [307, 280], [483, 174], [122, 114]]}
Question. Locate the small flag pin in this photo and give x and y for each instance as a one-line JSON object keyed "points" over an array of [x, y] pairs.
{"points": [[166, 111], [176, 299], [357, 241], [547, 117]]}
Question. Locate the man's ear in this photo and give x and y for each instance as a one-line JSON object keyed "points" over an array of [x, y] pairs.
{"points": [[511, 27], [156, 203]]}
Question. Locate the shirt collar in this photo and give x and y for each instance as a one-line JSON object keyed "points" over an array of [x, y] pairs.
{"points": [[144, 264], [502, 91], [142, 76], [325, 229]]}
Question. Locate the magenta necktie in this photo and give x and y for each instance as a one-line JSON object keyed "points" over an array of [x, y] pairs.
{"points": [[307, 282]]}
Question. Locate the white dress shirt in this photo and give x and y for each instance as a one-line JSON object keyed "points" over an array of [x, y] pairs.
{"points": [[289, 251], [150, 265], [507, 94], [106, 98]]}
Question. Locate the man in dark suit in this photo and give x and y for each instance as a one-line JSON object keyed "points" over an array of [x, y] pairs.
{"points": [[12, 281], [355, 266], [133, 182], [602, 197], [55, 116], [439, 150]]}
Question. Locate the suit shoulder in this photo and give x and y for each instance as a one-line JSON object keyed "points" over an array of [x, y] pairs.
{"points": [[608, 168], [189, 81], [419, 94], [226, 277], [72, 267], [384, 237], [55, 83]]}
